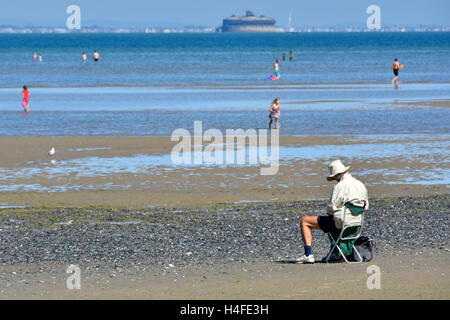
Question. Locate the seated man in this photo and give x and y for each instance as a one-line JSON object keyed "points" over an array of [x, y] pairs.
{"points": [[348, 190]]}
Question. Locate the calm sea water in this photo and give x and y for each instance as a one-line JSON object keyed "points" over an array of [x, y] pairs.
{"points": [[151, 84]]}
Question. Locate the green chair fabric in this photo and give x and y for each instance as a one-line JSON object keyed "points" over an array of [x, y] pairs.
{"points": [[345, 245]]}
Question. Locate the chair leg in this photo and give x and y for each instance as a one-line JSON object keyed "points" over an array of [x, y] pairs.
{"points": [[332, 249], [359, 256]]}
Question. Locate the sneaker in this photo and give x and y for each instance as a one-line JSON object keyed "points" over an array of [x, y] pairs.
{"points": [[305, 259]]}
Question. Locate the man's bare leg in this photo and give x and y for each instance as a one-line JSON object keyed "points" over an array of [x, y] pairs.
{"points": [[395, 82], [307, 223]]}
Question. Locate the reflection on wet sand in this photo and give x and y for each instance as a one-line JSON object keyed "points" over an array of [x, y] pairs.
{"points": [[143, 165]]}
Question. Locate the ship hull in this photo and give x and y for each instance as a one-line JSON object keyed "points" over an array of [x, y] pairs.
{"points": [[248, 28]]}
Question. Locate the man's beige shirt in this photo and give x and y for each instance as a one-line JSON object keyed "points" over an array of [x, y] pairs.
{"points": [[350, 190]]}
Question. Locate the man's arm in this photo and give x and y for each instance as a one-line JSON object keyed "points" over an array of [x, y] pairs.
{"points": [[366, 199], [336, 200]]}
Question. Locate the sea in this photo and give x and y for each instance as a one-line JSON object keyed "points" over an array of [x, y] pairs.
{"points": [[152, 84]]}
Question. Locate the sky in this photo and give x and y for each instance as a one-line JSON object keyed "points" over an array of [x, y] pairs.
{"points": [[178, 13]]}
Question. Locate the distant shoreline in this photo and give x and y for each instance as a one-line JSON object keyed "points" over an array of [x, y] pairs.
{"points": [[63, 31]]}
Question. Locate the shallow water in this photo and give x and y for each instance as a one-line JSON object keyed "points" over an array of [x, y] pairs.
{"points": [[163, 123], [221, 58], [338, 84], [426, 151], [153, 84]]}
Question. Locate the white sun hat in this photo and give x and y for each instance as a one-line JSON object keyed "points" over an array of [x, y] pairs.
{"points": [[335, 168]]}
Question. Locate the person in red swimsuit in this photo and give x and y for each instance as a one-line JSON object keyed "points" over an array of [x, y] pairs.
{"points": [[26, 99]]}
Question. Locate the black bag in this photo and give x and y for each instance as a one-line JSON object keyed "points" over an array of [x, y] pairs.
{"points": [[364, 245]]}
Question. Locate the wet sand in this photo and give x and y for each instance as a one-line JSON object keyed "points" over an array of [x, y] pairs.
{"points": [[298, 178]]}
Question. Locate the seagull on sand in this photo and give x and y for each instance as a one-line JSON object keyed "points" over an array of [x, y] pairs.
{"points": [[52, 151]]}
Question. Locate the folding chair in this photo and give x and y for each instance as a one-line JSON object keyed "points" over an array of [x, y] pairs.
{"points": [[349, 236]]}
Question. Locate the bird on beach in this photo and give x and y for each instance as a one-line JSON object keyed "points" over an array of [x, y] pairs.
{"points": [[52, 151]]}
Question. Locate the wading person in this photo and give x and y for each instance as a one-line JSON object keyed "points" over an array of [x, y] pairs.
{"points": [[26, 99], [96, 56], [347, 190], [395, 68], [274, 113], [276, 70]]}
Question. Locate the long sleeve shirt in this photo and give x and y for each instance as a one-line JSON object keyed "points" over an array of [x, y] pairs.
{"points": [[350, 190]]}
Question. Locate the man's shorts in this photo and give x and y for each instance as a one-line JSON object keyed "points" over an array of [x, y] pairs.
{"points": [[326, 224]]}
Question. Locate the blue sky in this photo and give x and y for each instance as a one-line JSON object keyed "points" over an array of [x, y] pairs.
{"points": [[127, 13]]}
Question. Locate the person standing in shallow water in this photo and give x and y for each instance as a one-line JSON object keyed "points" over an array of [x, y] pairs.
{"points": [[84, 57], [26, 99], [276, 70], [291, 55], [96, 56], [395, 68], [274, 113]]}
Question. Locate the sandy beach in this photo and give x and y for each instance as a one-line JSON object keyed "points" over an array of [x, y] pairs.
{"points": [[230, 251], [143, 230], [406, 277]]}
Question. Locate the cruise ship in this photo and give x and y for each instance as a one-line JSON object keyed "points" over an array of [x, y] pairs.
{"points": [[248, 23]]}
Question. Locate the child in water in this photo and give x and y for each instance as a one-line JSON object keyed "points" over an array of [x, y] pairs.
{"points": [[276, 70], [274, 113], [26, 99]]}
